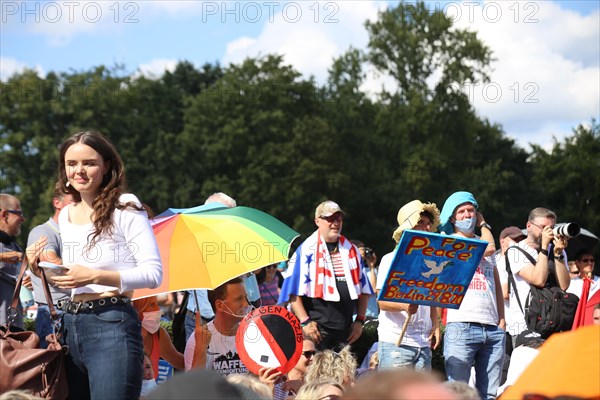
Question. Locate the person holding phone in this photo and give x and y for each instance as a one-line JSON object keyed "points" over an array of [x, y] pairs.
{"points": [[110, 250]]}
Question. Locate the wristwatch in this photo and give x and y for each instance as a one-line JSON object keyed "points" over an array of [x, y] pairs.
{"points": [[485, 225]]}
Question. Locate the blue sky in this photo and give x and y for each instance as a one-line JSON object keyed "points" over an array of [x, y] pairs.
{"points": [[545, 81]]}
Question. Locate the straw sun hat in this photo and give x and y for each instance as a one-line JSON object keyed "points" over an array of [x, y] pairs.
{"points": [[409, 214]]}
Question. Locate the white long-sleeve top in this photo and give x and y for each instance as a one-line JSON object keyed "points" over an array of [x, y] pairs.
{"points": [[131, 249]]}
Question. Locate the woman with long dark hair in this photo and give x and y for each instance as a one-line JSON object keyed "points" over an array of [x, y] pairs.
{"points": [[109, 250]]}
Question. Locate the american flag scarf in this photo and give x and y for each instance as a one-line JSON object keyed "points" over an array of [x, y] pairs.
{"points": [[310, 271]]}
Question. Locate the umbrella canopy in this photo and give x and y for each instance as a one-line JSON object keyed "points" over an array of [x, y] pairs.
{"points": [[204, 247], [568, 365], [585, 240]]}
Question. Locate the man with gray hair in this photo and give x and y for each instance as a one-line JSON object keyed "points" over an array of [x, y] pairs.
{"points": [[539, 243], [11, 218], [52, 254]]}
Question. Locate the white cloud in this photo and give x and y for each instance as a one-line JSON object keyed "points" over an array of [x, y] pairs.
{"points": [[545, 80], [308, 34], [10, 66], [547, 72], [155, 68]]}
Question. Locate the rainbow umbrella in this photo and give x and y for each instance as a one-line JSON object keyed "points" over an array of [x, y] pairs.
{"points": [[205, 246]]}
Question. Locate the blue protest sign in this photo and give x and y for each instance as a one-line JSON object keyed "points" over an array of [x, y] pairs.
{"points": [[432, 269], [165, 371]]}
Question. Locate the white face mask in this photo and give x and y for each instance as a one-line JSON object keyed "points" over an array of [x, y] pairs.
{"points": [[466, 226], [243, 312], [151, 321], [148, 385]]}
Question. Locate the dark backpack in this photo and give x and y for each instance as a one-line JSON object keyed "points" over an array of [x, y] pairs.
{"points": [[549, 309]]}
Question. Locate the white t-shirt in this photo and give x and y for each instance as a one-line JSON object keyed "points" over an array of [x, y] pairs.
{"points": [[576, 286], [131, 249], [221, 355], [503, 275], [479, 303], [518, 261], [391, 322]]}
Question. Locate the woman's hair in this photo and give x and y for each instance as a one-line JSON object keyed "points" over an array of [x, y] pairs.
{"points": [[339, 367], [259, 389], [113, 182], [316, 390]]}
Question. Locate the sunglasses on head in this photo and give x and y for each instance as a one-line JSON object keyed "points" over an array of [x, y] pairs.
{"points": [[309, 353]]}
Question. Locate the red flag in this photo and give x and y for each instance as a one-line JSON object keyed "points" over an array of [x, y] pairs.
{"points": [[585, 308]]}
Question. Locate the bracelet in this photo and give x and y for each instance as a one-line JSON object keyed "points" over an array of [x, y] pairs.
{"points": [[544, 252], [305, 322], [559, 257], [360, 319], [485, 225]]}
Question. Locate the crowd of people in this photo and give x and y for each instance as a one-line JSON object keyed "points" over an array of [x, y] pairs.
{"points": [[103, 237]]}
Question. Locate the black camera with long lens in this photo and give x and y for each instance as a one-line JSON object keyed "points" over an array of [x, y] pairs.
{"points": [[569, 230]]}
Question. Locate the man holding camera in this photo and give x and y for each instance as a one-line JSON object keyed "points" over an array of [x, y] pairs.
{"points": [[544, 245]]}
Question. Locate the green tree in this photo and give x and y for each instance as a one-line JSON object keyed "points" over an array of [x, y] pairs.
{"points": [[411, 43], [567, 177], [258, 134]]}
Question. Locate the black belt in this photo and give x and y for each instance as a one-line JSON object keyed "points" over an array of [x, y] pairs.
{"points": [[480, 324], [75, 307]]}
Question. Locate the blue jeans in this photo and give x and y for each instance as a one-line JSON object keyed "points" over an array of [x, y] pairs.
{"points": [[43, 323], [469, 344], [392, 356], [105, 358]]}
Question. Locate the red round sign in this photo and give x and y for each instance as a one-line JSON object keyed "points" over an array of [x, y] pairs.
{"points": [[270, 336]]}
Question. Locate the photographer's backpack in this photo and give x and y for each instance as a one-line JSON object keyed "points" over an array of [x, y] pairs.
{"points": [[549, 309]]}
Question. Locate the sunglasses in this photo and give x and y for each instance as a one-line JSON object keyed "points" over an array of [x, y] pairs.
{"points": [[271, 266], [586, 260], [16, 212], [309, 354], [333, 218]]}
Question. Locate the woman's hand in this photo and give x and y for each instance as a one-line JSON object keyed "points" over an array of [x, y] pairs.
{"points": [[34, 252], [269, 376], [76, 276]]}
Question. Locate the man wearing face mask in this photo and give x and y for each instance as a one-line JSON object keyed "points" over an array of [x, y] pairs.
{"points": [[157, 342], [212, 346], [475, 332]]}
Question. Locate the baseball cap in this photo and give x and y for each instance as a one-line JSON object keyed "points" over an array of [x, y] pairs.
{"points": [[327, 208], [527, 337], [512, 232]]}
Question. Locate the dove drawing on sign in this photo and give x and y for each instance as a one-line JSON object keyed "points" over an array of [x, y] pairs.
{"points": [[434, 268]]}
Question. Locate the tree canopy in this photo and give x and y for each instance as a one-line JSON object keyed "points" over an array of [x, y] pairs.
{"points": [[282, 143]]}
